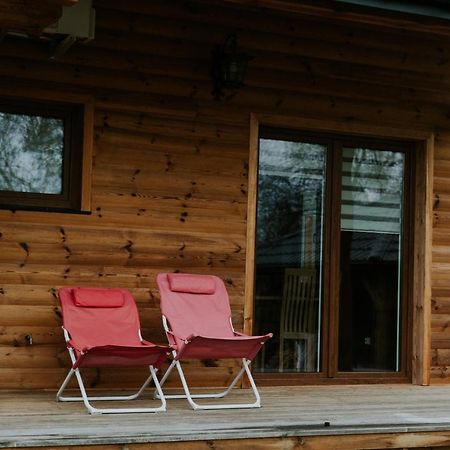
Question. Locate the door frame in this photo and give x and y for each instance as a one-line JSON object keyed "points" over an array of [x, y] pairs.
{"points": [[421, 246]]}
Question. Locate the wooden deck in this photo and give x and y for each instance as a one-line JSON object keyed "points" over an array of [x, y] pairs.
{"points": [[394, 412]]}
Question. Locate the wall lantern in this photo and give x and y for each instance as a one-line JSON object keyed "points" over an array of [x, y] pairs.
{"points": [[229, 66]]}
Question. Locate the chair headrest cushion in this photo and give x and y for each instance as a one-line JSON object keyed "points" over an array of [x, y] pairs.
{"points": [[191, 284], [98, 298]]}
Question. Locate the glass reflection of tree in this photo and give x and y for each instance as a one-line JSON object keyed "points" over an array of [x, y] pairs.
{"points": [[383, 166], [31, 153], [290, 172]]}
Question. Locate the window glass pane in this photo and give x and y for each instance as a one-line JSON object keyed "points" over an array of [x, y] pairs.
{"points": [[289, 240], [31, 153], [371, 240]]}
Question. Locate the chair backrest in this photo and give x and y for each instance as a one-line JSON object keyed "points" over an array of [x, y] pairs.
{"points": [[195, 305], [99, 316], [298, 310]]}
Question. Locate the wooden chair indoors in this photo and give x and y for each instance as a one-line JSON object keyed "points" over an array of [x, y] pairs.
{"points": [[299, 316]]}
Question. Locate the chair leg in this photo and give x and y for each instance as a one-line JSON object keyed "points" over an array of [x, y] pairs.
{"points": [[59, 396], [167, 373], [92, 410], [190, 397], [214, 395], [72, 372], [310, 356], [281, 355], [262, 359]]}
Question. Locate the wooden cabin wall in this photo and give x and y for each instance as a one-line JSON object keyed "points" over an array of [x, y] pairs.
{"points": [[169, 184]]}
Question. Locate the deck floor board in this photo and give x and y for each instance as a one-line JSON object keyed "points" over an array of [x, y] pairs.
{"points": [[36, 419]]}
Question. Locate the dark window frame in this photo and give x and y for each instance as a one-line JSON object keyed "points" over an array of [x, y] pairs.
{"points": [[329, 372], [70, 199]]}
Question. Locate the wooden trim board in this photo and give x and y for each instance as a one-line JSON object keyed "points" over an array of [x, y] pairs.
{"points": [[30, 94]]}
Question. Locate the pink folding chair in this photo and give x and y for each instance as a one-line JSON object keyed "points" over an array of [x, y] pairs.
{"points": [[197, 318], [101, 329]]}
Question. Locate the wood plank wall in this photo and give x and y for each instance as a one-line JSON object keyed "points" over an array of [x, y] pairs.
{"points": [[169, 187]]}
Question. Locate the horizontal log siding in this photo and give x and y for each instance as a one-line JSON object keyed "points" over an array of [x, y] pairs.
{"points": [[169, 186]]}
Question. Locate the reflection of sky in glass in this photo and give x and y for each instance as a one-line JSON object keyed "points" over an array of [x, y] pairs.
{"points": [[31, 153], [290, 158]]}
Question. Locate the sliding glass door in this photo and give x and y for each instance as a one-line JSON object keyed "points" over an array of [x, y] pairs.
{"points": [[289, 248], [331, 255], [370, 260]]}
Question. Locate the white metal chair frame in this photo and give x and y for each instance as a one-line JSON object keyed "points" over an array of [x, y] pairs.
{"points": [[84, 397], [190, 397]]}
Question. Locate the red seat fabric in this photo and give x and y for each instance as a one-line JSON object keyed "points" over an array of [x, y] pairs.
{"points": [[106, 336], [201, 322]]}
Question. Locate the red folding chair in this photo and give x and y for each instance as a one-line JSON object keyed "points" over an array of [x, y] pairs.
{"points": [[101, 328], [197, 319]]}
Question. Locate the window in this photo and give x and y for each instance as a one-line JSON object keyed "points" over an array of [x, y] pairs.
{"points": [[331, 259], [41, 155]]}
